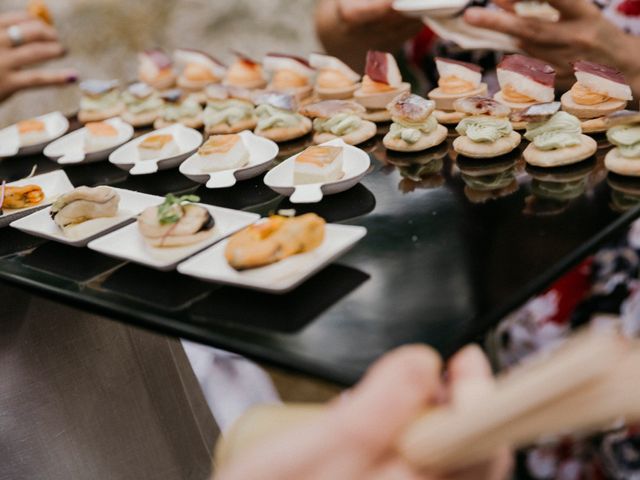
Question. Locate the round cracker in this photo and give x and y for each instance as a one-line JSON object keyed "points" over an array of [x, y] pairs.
{"points": [[284, 134], [377, 116], [467, 147], [519, 126], [86, 116], [380, 100], [445, 101], [165, 82], [342, 93], [594, 125], [562, 156], [138, 120], [621, 165], [366, 131], [223, 128], [449, 118], [191, 86], [587, 112], [515, 107], [431, 140], [249, 85]]}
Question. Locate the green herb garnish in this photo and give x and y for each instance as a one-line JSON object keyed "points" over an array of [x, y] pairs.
{"points": [[171, 209]]}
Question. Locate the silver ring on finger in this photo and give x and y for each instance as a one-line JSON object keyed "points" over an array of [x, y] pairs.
{"points": [[15, 35]]}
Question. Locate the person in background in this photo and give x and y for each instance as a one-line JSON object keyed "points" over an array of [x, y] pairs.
{"points": [[355, 438], [26, 41], [603, 31]]}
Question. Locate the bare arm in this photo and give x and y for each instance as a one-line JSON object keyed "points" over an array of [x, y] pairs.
{"points": [[348, 28]]}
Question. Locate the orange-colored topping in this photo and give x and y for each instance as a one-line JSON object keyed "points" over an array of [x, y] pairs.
{"points": [[454, 85], [371, 86], [102, 129], [199, 73], [333, 79], [28, 126], [156, 142], [162, 74], [219, 144], [283, 79], [21, 197], [583, 95], [510, 94], [268, 227], [242, 72], [39, 9], [319, 156]]}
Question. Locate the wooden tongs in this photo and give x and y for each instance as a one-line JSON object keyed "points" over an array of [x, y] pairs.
{"points": [[586, 384]]}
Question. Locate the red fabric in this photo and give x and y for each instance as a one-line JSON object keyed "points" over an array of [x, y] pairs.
{"points": [[630, 8], [421, 45], [571, 289]]}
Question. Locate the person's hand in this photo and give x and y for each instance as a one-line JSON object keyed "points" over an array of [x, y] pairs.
{"points": [[582, 33], [348, 28], [39, 43], [355, 439], [359, 12]]}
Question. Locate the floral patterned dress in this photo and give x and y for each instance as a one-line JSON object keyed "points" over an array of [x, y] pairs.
{"points": [[603, 289]]}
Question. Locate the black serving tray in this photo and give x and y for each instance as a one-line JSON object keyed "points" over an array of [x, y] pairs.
{"points": [[441, 264]]}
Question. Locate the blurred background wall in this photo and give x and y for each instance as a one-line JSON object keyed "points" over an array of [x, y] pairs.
{"points": [[103, 37]]}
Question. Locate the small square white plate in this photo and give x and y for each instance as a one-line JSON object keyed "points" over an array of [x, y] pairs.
{"points": [[70, 149], [282, 277], [53, 185], [56, 125], [355, 164], [127, 156], [40, 223], [128, 244], [262, 152]]}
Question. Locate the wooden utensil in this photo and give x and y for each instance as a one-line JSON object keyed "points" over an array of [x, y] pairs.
{"points": [[585, 384]]}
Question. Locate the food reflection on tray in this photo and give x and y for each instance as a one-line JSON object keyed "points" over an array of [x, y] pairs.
{"points": [[489, 179], [625, 191], [552, 190]]}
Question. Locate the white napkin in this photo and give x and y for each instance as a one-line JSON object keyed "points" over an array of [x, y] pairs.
{"points": [[468, 37]]}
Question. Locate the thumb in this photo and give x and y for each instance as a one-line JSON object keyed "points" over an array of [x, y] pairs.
{"points": [[395, 391]]}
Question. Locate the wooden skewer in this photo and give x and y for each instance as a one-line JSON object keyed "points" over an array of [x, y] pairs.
{"points": [[593, 406], [585, 384]]}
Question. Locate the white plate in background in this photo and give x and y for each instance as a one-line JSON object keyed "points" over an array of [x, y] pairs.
{"points": [[127, 243], [262, 152], [429, 8], [355, 164], [53, 184], [281, 277], [42, 225], [56, 125], [128, 158], [70, 148]]}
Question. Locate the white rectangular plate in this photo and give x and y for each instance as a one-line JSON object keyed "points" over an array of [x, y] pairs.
{"points": [[128, 244], [40, 223], [53, 185], [211, 265]]}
